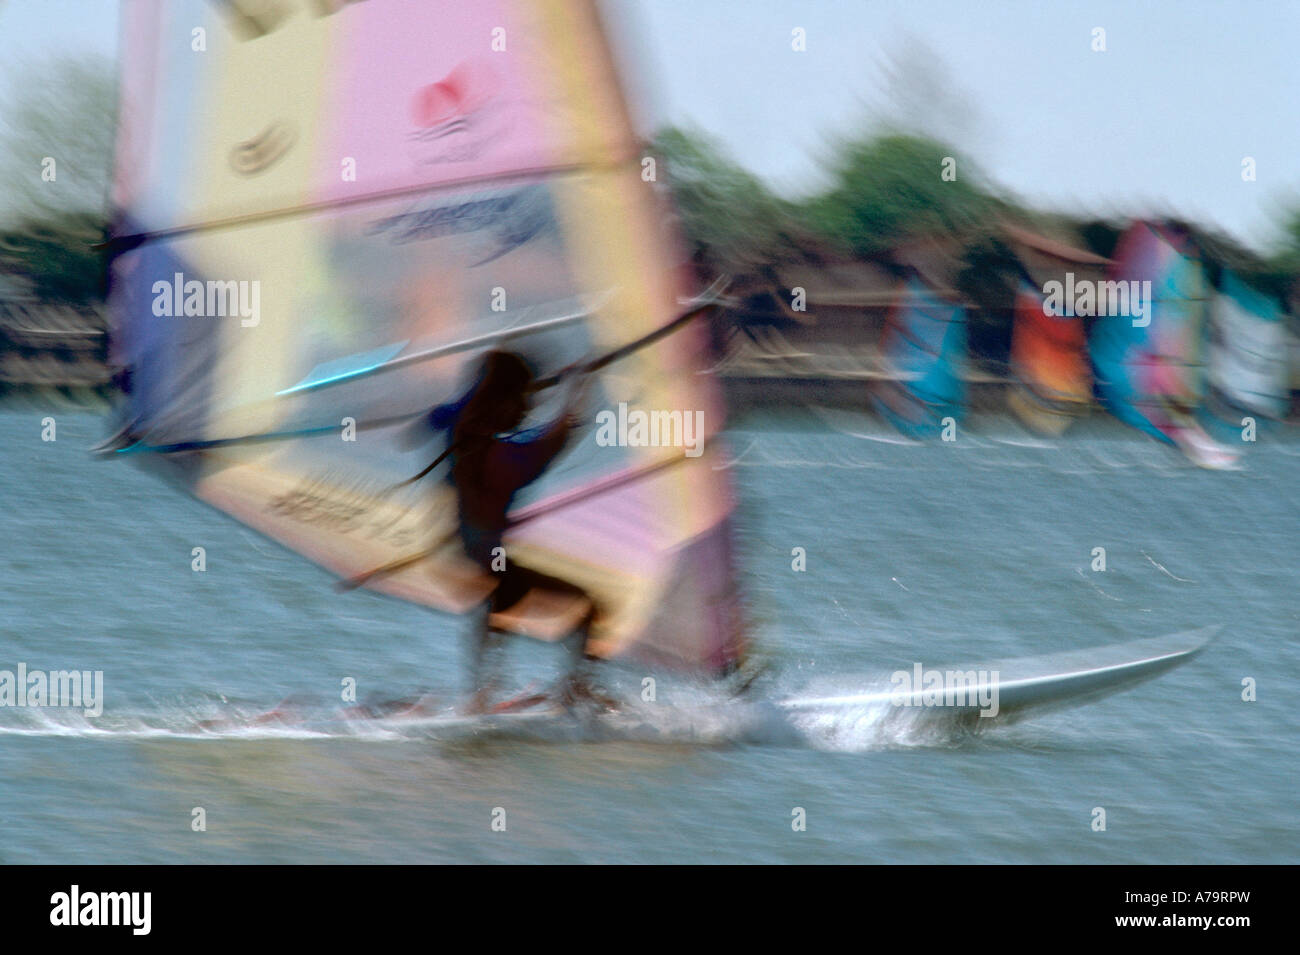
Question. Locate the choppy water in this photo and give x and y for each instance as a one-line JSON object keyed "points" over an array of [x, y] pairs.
{"points": [[940, 554]]}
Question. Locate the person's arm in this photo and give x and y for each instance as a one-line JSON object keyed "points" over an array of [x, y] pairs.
{"points": [[524, 461]]}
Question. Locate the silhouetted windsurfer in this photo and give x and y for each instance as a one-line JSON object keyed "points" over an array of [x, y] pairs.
{"points": [[490, 463]]}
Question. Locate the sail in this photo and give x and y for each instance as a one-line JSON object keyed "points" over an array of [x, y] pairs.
{"points": [[1049, 361], [1150, 369], [1248, 349], [923, 347], [326, 210]]}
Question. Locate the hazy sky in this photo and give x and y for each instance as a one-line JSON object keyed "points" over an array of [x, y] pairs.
{"points": [[1184, 91]]}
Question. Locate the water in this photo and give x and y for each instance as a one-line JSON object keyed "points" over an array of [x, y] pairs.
{"points": [[940, 554]]}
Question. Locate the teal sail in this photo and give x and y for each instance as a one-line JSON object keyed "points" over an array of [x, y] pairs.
{"points": [[923, 348]]}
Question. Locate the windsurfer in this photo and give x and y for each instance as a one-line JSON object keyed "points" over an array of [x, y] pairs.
{"points": [[491, 461]]}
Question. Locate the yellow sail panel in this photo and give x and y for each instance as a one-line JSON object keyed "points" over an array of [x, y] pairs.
{"points": [[263, 82]]}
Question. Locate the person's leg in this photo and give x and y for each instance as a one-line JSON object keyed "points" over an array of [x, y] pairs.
{"points": [[576, 643], [513, 583], [577, 683], [487, 642], [481, 670]]}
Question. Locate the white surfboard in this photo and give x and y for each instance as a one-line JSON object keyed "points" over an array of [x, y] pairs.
{"points": [[1024, 687], [1030, 685]]}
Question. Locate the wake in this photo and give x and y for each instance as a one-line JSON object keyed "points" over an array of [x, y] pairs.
{"points": [[700, 721]]}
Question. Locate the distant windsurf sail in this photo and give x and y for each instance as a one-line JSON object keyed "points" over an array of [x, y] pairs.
{"points": [[1248, 350], [328, 211], [1049, 362], [1150, 367], [924, 347]]}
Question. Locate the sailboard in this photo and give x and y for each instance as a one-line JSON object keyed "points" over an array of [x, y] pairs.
{"points": [[326, 211], [1026, 687], [1029, 686], [1053, 384], [1150, 371], [923, 346]]}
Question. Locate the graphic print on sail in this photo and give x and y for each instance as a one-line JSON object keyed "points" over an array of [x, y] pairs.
{"points": [[319, 211]]}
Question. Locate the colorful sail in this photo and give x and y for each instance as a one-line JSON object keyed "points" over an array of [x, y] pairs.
{"points": [[923, 347], [327, 210], [1049, 362], [1150, 366], [1248, 350]]}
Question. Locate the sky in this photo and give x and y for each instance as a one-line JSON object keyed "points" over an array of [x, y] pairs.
{"points": [[32, 31], [1163, 118]]}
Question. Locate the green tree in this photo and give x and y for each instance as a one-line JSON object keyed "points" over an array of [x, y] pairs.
{"points": [[56, 211], [58, 253], [727, 212], [888, 188], [1286, 256]]}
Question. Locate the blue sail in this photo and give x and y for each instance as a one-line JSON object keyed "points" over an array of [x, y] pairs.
{"points": [[924, 346]]}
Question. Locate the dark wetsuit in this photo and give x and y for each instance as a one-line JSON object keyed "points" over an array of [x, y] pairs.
{"points": [[487, 473]]}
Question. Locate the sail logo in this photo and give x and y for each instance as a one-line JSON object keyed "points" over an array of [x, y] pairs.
{"points": [[651, 429], [1087, 298], [963, 688], [211, 299], [256, 154], [59, 688], [331, 501], [130, 909], [455, 117], [507, 219]]}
